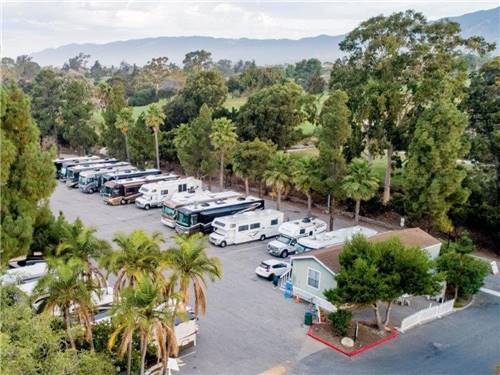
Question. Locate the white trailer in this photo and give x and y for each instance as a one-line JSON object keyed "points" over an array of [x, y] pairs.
{"points": [[246, 227], [336, 237], [291, 231], [155, 193]]}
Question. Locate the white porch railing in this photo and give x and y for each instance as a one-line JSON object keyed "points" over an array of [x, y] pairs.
{"points": [[426, 315], [284, 278], [311, 298]]}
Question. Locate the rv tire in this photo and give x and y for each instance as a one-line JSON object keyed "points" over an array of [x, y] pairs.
{"points": [[123, 201], [284, 253], [263, 237], [310, 233], [147, 207], [91, 191], [223, 244]]}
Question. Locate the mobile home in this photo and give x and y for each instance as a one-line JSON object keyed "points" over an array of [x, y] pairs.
{"points": [[178, 200], [246, 227], [155, 193], [127, 190], [198, 217]]}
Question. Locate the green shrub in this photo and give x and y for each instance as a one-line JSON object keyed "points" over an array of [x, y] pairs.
{"points": [[340, 321]]}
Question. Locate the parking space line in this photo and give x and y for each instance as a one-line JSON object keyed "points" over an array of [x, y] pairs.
{"points": [[490, 291]]}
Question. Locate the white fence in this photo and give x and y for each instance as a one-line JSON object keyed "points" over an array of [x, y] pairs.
{"points": [[426, 315], [311, 298]]}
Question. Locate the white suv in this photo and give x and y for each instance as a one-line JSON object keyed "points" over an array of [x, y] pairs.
{"points": [[271, 267]]}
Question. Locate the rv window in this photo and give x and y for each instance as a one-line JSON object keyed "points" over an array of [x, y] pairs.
{"points": [[302, 231], [242, 228], [274, 222], [164, 192], [182, 187], [255, 226], [219, 223], [232, 226]]}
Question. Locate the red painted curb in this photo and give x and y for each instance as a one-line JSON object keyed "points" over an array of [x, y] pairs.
{"points": [[357, 351]]}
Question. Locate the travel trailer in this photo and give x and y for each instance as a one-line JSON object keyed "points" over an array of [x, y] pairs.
{"points": [[127, 190], [90, 181], [155, 193], [120, 175], [73, 173], [58, 163], [198, 217], [336, 237], [291, 231], [23, 275], [66, 165], [178, 200], [246, 227]]}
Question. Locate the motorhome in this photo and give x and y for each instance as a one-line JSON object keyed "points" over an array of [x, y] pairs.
{"points": [[198, 217], [336, 237], [127, 190], [66, 165], [246, 227], [121, 175], [291, 231], [73, 173], [155, 193], [90, 181], [23, 275], [178, 200], [58, 163]]}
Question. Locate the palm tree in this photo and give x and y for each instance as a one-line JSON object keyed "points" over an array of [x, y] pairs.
{"points": [[64, 292], [154, 118], [279, 175], [81, 243], [144, 308], [223, 138], [305, 178], [124, 121], [137, 255], [360, 184]]}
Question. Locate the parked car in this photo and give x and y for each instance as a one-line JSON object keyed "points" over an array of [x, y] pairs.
{"points": [[271, 267]]}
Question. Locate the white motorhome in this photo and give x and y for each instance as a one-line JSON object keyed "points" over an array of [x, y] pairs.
{"points": [[290, 231], [245, 227], [336, 237], [178, 200], [154, 194], [22, 275]]}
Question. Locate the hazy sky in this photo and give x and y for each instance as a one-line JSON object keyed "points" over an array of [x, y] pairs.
{"points": [[32, 26]]}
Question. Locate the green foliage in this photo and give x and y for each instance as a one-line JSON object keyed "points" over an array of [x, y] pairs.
{"points": [[141, 144], [432, 178], [143, 97], [278, 175], [223, 138], [306, 177], [464, 273], [48, 232], [197, 61], [340, 320], [192, 142], [381, 272], [255, 78], [27, 173], [273, 113], [307, 73], [112, 96]]}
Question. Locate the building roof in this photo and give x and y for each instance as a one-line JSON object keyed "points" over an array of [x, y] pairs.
{"points": [[408, 237]]}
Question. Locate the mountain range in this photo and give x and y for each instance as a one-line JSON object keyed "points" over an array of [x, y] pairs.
{"points": [[264, 51]]}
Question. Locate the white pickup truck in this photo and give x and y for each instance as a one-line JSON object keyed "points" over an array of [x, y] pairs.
{"points": [[290, 231]]}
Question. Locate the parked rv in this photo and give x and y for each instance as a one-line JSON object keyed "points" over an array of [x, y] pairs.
{"points": [[121, 175], [178, 200], [155, 193], [290, 231], [58, 163], [23, 275], [198, 217], [336, 237], [245, 227], [66, 165], [90, 181], [73, 173], [127, 190]]}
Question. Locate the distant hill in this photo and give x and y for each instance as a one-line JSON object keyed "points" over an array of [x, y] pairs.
{"points": [[263, 51]]}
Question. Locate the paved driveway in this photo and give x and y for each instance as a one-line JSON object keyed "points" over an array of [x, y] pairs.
{"points": [[250, 327]]}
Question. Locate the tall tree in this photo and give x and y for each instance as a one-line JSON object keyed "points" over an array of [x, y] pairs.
{"points": [[432, 177], [156, 71], [141, 143], [250, 159], [112, 98], [197, 61], [306, 178], [278, 175], [223, 138], [26, 176], [46, 101], [334, 133], [153, 118], [360, 183], [124, 121], [274, 114]]}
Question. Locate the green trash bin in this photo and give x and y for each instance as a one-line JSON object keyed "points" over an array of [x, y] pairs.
{"points": [[308, 318]]}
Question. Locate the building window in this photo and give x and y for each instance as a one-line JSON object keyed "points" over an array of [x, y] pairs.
{"points": [[255, 226], [274, 222], [313, 278]]}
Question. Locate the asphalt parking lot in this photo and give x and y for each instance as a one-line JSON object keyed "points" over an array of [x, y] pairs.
{"points": [[251, 328]]}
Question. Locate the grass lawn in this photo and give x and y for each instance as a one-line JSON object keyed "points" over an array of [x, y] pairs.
{"points": [[97, 114], [235, 101]]}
